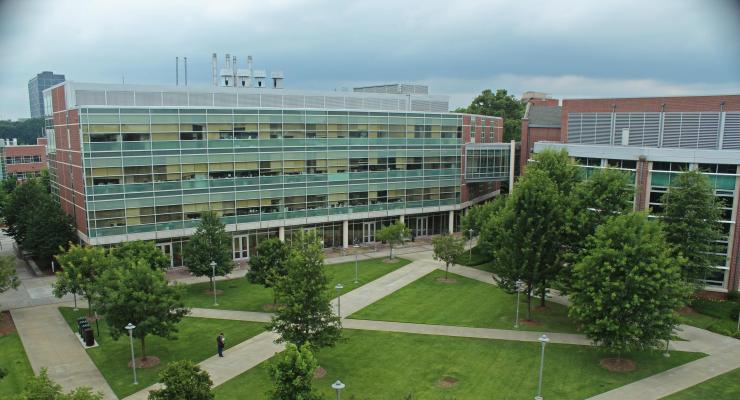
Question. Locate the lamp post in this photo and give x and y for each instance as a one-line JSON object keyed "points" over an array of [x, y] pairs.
{"points": [[130, 328], [338, 386], [213, 278], [543, 339], [356, 280], [666, 354], [470, 250], [339, 288], [519, 286]]}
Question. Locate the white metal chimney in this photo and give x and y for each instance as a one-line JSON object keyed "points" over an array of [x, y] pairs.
{"points": [[277, 79], [186, 70], [177, 71], [214, 67], [233, 72], [227, 73]]}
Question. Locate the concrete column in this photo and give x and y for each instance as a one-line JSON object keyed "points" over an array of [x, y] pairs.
{"points": [[281, 233], [452, 221], [512, 164], [345, 234]]}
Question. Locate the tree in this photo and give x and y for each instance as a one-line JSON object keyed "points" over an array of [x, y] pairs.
{"points": [[307, 313], [142, 250], [499, 104], [447, 248], [691, 215], [41, 387], [525, 235], [627, 286], [393, 234], [21, 203], [558, 166], [210, 243], [48, 230], [269, 265], [183, 380], [293, 374], [135, 293], [81, 267], [606, 194], [25, 130]]}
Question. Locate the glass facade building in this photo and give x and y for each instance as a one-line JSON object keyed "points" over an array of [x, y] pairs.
{"points": [[36, 87], [148, 172]]}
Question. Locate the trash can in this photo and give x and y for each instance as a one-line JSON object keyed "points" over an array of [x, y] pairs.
{"points": [[89, 337], [83, 325]]}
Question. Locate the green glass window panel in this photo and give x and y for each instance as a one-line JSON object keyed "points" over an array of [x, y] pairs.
{"points": [[271, 156], [105, 162], [271, 142], [105, 146], [246, 157], [168, 200], [192, 119], [272, 193], [167, 186], [195, 184], [724, 182], [164, 119], [313, 190], [338, 189], [357, 188], [246, 143], [294, 155], [106, 205], [143, 202], [227, 196], [245, 119], [336, 119], [136, 145], [247, 195], [247, 218], [295, 192], [164, 160], [338, 210], [194, 199], [272, 216], [221, 144], [660, 179], [166, 145], [135, 119], [294, 142], [270, 118], [220, 119], [141, 228], [294, 119], [104, 119], [315, 119], [220, 158], [193, 144]]}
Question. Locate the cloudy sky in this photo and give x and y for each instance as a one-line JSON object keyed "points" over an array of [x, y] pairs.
{"points": [[567, 48]]}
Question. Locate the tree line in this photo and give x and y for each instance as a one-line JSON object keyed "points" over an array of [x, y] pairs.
{"points": [[627, 273]]}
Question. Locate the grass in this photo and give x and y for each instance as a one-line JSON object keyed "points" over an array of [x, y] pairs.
{"points": [[240, 294], [196, 341], [473, 257], [722, 387], [383, 365], [15, 363], [465, 303], [714, 316]]}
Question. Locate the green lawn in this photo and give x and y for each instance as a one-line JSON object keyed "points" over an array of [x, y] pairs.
{"points": [[714, 316], [14, 361], [383, 365], [239, 294], [465, 303], [196, 341], [723, 387]]}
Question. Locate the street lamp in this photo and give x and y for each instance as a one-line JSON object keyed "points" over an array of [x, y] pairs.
{"points": [[338, 386], [666, 354], [356, 280], [339, 288], [470, 250], [213, 279], [130, 328], [519, 286], [543, 339]]}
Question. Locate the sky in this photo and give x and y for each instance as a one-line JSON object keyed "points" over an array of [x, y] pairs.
{"points": [[568, 49]]}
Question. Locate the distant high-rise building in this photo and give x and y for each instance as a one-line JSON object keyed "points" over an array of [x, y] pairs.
{"points": [[36, 87]]}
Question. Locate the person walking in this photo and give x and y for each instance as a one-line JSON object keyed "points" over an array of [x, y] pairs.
{"points": [[220, 342]]}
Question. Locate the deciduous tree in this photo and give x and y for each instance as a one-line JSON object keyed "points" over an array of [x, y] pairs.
{"points": [[210, 243], [8, 277], [306, 314], [293, 374], [691, 215], [137, 294], [393, 234], [41, 387], [447, 248], [183, 380], [81, 267], [146, 251], [499, 104], [269, 265], [526, 235], [627, 286]]}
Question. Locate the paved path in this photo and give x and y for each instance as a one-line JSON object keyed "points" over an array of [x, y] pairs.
{"points": [[261, 347], [51, 344]]}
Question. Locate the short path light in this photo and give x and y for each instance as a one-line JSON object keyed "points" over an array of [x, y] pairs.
{"points": [[338, 386], [356, 280], [543, 339], [519, 287], [470, 250], [213, 278], [339, 288], [130, 328]]}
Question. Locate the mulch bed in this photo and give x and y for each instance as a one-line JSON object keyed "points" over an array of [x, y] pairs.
{"points": [[448, 281], [447, 382], [618, 364], [529, 322], [6, 323], [319, 373], [390, 261], [150, 361], [686, 310]]}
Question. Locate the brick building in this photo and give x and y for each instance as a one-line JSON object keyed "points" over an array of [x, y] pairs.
{"points": [[653, 139], [22, 161]]}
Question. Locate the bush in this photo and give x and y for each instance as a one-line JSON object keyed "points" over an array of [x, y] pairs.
{"points": [[3, 372]]}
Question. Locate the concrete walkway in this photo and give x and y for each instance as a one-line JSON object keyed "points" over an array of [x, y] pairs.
{"points": [[50, 344], [261, 347]]}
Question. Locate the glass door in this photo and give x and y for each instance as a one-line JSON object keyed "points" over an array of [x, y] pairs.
{"points": [[241, 247], [422, 224], [166, 248], [368, 232]]}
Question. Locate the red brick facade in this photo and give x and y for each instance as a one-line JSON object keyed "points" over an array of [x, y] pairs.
{"points": [[25, 168]]}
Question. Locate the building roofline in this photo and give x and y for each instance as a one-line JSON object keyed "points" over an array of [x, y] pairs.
{"points": [[651, 97]]}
